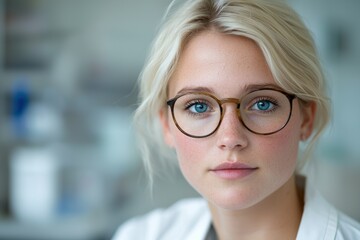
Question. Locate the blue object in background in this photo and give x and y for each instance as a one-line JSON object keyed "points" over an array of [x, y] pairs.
{"points": [[20, 101]]}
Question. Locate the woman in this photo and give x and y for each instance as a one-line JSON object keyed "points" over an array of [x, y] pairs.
{"points": [[235, 86]]}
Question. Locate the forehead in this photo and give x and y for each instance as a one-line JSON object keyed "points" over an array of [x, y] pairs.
{"points": [[225, 63]]}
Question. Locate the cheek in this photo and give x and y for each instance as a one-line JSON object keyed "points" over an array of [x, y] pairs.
{"points": [[190, 154], [284, 146], [188, 150]]}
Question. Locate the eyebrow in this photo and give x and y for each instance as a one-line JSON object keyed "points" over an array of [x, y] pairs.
{"points": [[248, 88], [195, 89], [254, 87]]}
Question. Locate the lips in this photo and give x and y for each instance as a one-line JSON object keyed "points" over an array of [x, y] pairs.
{"points": [[233, 170]]}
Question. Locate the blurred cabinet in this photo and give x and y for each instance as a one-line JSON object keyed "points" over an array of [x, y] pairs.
{"points": [[31, 36]]}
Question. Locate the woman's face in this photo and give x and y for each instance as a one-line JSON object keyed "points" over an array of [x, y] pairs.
{"points": [[232, 168]]}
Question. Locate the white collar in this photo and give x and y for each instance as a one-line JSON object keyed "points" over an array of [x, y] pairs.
{"points": [[319, 219]]}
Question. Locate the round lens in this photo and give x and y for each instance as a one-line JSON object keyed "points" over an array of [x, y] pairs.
{"points": [[265, 111], [197, 115]]}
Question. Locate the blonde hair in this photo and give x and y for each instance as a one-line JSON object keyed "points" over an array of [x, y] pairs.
{"points": [[284, 40]]}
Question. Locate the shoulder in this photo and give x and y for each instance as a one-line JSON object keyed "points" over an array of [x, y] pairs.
{"points": [[174, 222], [321, 220], [347, 228]]}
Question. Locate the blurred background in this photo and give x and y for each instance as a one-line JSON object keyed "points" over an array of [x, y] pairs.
{"points": [[69, 166]]}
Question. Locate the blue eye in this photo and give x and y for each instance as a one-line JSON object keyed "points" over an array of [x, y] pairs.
{"points": [[198, 108], [264, 105]]}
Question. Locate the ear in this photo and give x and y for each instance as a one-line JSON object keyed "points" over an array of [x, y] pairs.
{"points": [[167, 134], [308, 118]]}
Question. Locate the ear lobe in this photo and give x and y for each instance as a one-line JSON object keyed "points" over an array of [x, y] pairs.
{"points": [[308, 118], [164, 121]]}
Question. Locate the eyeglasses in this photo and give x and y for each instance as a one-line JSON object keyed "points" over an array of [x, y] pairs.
{"points": [[263, 112]]}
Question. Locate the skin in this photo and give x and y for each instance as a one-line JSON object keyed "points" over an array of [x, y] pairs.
{"points": [[226, 66]]}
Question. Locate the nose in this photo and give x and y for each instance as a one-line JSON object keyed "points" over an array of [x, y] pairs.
{"points": [[231, 134]]}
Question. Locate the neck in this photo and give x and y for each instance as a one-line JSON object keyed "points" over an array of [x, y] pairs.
{"points": [[276, 217]]}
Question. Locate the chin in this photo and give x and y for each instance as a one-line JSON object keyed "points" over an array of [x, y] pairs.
{"points": [[234, 200]]}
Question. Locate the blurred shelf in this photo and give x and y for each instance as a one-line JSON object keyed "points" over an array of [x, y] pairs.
{"points": [[85, 228]]}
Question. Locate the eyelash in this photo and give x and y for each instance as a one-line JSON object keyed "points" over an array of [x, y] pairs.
{"points": [[194, 102], [272, 101]]}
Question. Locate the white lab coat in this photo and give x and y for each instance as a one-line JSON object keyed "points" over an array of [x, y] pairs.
{"points": [[190, 219]]}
